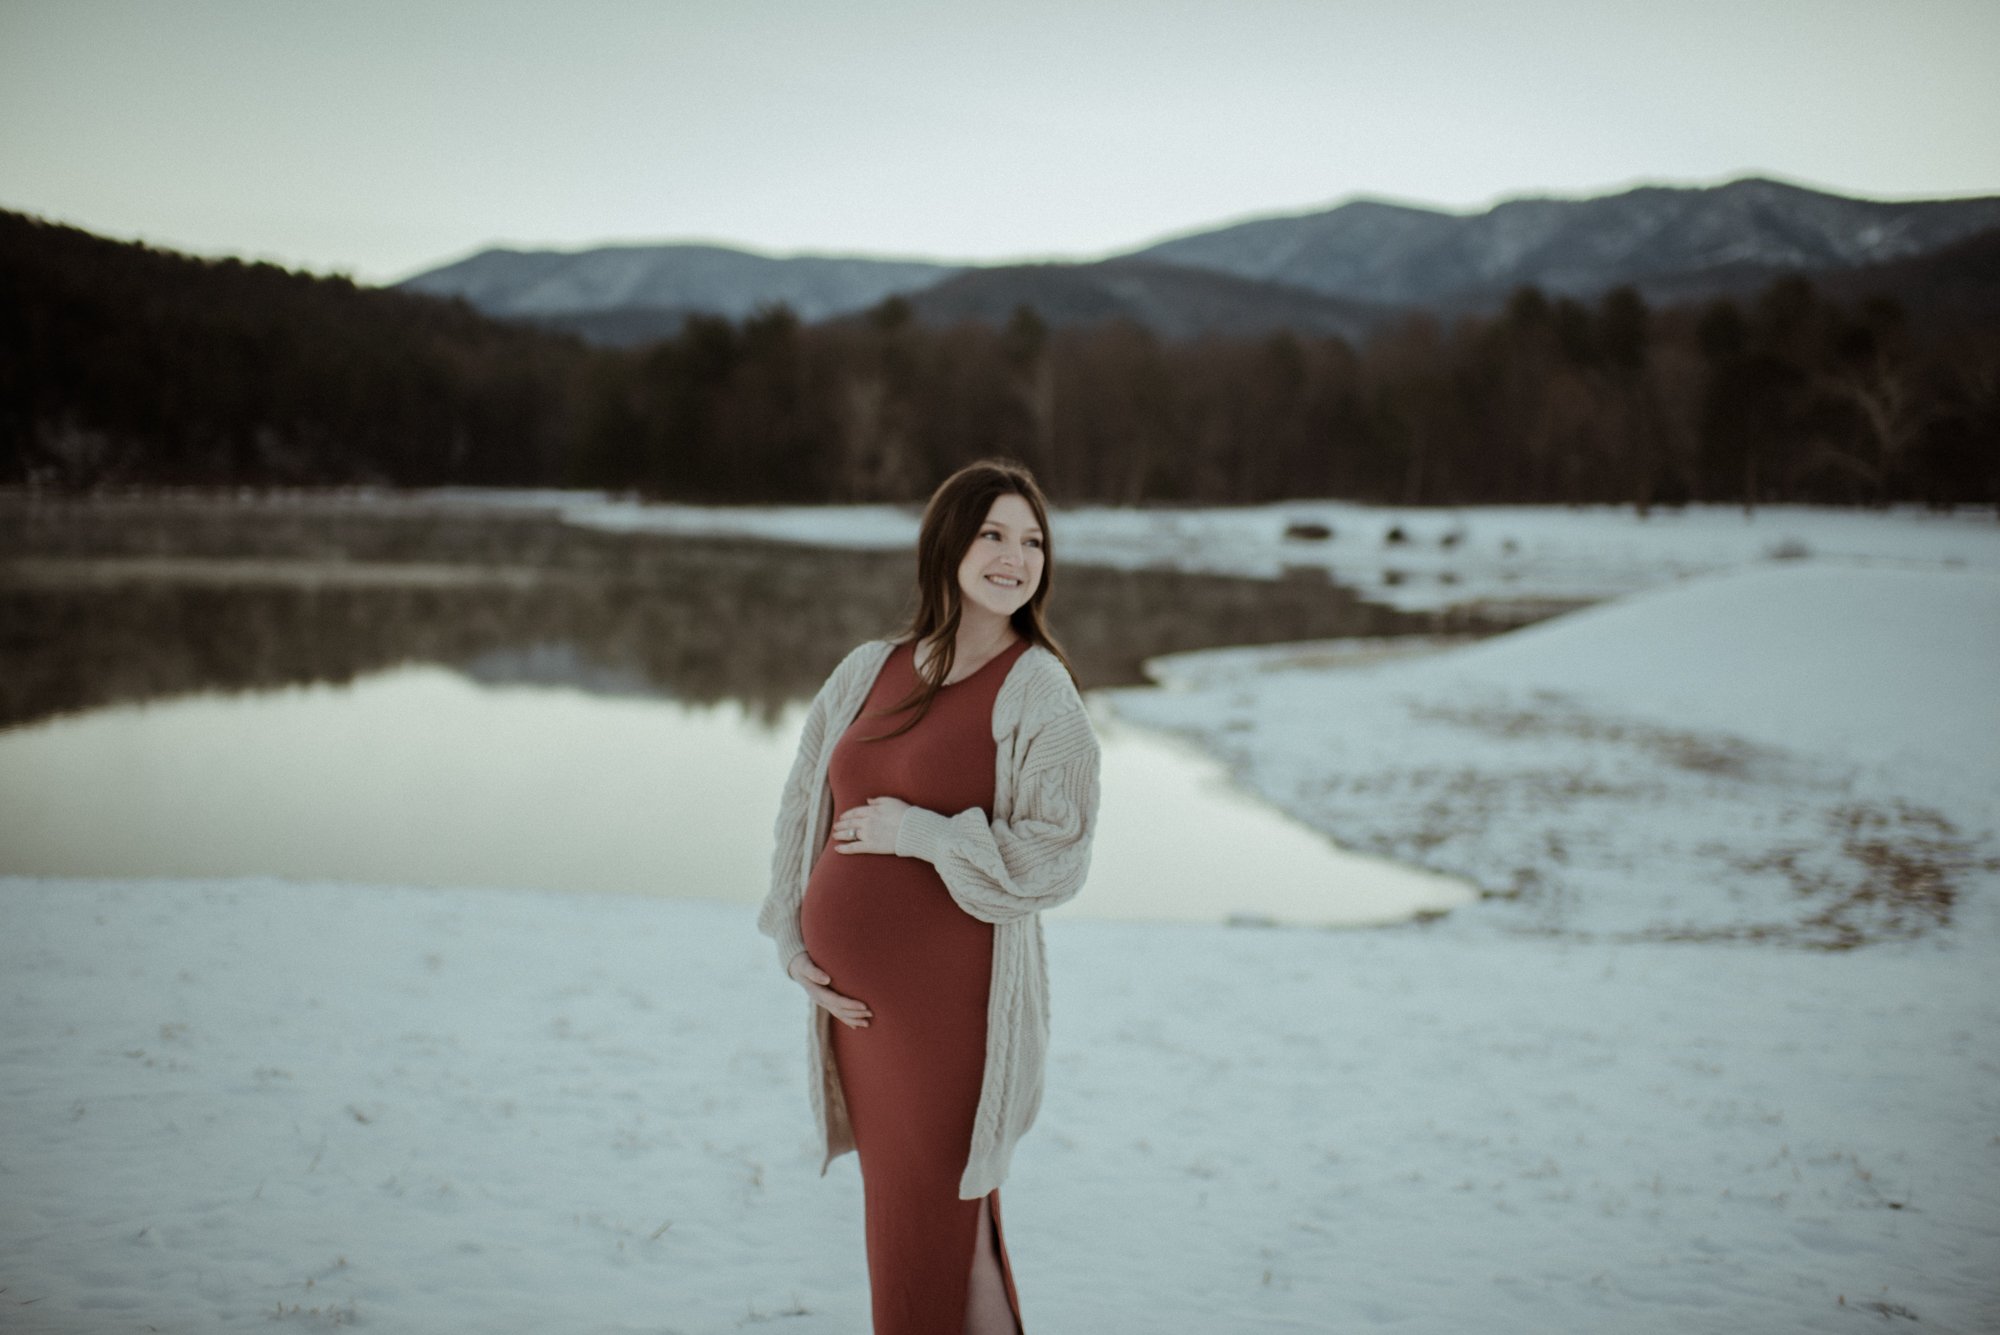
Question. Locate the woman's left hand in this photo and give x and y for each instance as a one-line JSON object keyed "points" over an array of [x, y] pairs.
{"points": [[871, 828]]}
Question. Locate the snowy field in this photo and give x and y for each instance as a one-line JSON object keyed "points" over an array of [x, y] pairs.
{"points": [[1806, 751], [1715, 1054], [259, 1106]]}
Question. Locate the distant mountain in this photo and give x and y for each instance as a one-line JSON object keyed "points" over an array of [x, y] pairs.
{"points": [[615, 326], [1671, 243], [1172, 300], [1340, 271], [565, 289]]}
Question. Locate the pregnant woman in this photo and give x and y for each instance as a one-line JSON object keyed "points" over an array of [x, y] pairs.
{"points": [[945, 793]]}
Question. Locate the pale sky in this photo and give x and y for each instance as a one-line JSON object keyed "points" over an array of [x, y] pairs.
{"points": [[379, 139]]}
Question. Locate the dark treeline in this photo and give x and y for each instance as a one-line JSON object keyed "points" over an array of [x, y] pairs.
{"points": [[120, 364]]}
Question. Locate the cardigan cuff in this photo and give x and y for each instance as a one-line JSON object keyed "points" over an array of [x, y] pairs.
{"points": [[791, 943], [922, 834]]}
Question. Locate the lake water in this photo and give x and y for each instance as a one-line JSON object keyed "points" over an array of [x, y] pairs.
{"points": [[577, 712], [422, 775]]}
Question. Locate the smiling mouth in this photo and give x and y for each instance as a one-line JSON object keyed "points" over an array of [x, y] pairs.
{"points": [[1003, 581]]}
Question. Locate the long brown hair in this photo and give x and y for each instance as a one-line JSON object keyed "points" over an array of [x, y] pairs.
{"points": [[951, 523]]}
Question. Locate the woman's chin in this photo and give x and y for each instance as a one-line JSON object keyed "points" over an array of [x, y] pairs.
{"points": [[1003, 607]]}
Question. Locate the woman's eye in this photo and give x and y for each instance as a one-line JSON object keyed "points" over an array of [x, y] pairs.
{"points": [[1034, 542]]}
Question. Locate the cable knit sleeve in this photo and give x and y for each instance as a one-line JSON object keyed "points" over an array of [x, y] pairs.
{"points": [[1037, 856], [778, 918]]}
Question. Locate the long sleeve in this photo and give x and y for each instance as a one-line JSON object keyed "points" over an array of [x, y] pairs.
{"points": [[1035, 858], [778, 918]]}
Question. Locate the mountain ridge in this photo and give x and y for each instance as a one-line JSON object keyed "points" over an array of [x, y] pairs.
{"points": [[1646, 236], [724, 280], [1373, 257]]}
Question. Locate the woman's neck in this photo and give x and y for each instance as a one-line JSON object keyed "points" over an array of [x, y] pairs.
{"points": [[982, 636], [978, 639]]}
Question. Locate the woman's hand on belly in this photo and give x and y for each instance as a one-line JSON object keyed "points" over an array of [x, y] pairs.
{"points": [[870, 828], [854, 1014]]}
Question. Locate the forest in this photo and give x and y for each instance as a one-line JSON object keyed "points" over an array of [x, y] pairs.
{"points": [[122, 365]]}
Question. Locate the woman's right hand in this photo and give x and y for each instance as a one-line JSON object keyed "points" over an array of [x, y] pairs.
{"points": [[854, 1014]]}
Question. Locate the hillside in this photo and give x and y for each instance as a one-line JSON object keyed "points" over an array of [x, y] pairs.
{"points": [[1172, 300], [1341, 270], [123, 363], [1670, 243]]}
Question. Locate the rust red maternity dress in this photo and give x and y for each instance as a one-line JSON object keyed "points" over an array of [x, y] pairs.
{"points": [[888, 933]]}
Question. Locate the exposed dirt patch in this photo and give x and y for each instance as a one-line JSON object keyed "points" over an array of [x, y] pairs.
{"points": [[1886, 872], [1786, 851], [1696, 752]]}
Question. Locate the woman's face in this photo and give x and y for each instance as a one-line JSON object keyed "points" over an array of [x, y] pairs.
{"points": [[1003, 566]]}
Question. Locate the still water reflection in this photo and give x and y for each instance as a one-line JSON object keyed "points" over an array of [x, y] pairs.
{"points": [[424, 775], [112, 603], [305, 686]]}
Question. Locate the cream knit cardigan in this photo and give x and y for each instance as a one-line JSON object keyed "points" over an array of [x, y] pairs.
{"points": [[1030, 856]]}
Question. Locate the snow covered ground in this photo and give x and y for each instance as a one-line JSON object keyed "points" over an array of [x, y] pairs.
{"points": [[1628, 1092], [1804, 750], [250, 1106]]}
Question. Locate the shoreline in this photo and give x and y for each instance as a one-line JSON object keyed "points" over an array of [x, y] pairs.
{"points": [[1735, 755]]}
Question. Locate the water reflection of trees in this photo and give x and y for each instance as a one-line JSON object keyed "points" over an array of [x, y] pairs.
{"points": [[85, 621]]}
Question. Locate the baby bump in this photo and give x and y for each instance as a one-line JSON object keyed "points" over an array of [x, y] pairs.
{"points": [[889, 934]]}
